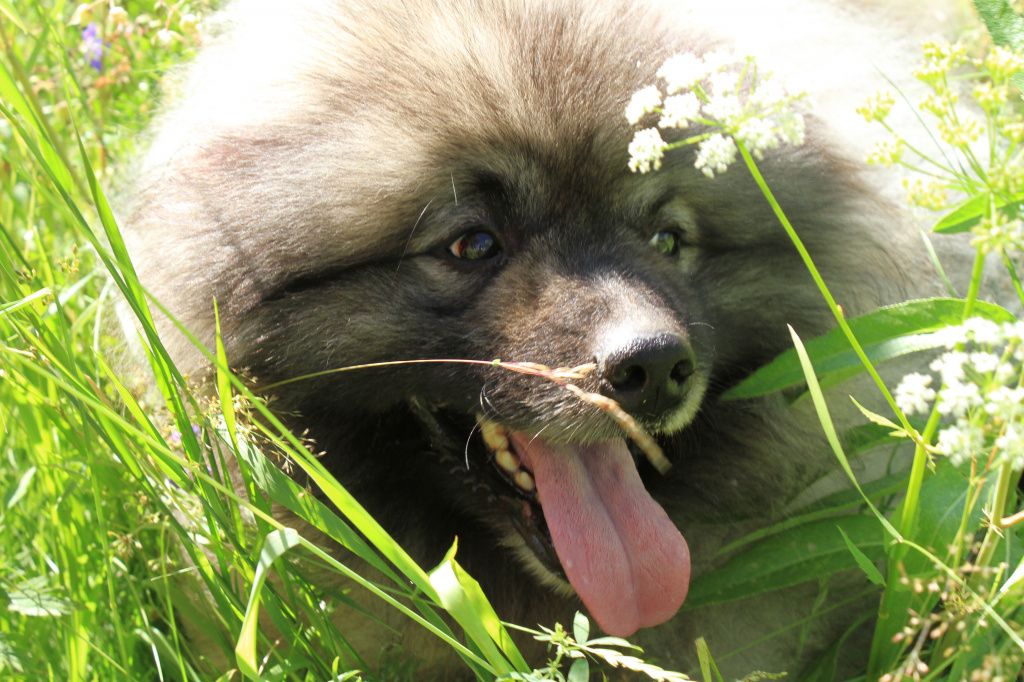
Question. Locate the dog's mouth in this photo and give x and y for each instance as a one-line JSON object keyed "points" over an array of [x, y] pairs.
{"points": [[584, 513]]}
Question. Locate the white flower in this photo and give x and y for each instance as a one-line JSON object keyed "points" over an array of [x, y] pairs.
{"points": [[725, 110], [913, 395], [725, 83], [1011, 446], [679, 111], [999, 234], [758, 134], [769, 93], [1006, 372], [716, 60], [715, 154], [680, 72], [643, 102], [728, 93], [166, 36], [791, 127], [1003, 63], [950, 336], [82, 15], [957, 398], [118, 16], [886, 152], [961, 442], [646, 151], [950, 365], [1005, 403], [986, 363], [982, 331], [878, 106], [1014, 331]]}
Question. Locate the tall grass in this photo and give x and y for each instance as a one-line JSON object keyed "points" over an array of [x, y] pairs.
{"points": [[117, 498]]}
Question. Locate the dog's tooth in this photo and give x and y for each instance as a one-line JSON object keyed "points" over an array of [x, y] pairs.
{"points": [[507, 461], [494, 436], [524, 480]]}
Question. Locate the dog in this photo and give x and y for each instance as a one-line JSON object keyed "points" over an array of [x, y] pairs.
{"points": [[361, 181]]}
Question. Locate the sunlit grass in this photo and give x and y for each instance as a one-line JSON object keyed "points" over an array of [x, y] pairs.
{"points": [[117, 501]]}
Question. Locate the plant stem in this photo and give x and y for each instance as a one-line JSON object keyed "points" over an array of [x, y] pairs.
{"points": [[822, 287], [1004, 483], [972, 290]]}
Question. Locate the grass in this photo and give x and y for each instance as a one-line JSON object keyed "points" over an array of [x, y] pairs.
{"points": [[115, 494]]}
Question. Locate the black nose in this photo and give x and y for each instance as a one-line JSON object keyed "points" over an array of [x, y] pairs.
{"points": [[647, 375]]}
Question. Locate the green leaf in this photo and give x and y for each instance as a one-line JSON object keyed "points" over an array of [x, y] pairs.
{"points": [[34, 597], [580, 628], [806, 552], [227, 404], [874, 417], [885, 333], [579, 671], [276, 544], [1004, 24], [866, 565], [829, 427], [968, 214], [8, 10], [708, 667], [462, 596], [1014, 582], [867, 437], [22, 487]]}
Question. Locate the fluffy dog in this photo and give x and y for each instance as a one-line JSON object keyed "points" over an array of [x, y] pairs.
{"points": [[358, 181]]}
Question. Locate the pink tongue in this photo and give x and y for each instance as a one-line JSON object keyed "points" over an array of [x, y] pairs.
{"points": [[624, 557]]}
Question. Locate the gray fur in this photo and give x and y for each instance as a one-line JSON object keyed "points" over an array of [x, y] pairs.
{"points": [[323, 151]]}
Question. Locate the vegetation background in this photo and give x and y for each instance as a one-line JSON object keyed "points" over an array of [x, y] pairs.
{"points": [[109, 499]]}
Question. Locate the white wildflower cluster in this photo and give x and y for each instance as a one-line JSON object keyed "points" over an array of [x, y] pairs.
{"points": [[1000, 233], [646, 151], [981, 392], [725, 99]]}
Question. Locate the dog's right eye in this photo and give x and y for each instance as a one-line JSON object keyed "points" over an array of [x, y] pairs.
{"points": [[476, 245], [667, 242]]}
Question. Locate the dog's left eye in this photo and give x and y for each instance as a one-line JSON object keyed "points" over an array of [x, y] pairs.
{"points": [[478, 245], [667, 242]]}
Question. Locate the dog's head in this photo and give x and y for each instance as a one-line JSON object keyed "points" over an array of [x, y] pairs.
{"points": [[439, 182]]}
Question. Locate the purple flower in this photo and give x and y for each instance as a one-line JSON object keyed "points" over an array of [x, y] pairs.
{"points": [[92, 46]]}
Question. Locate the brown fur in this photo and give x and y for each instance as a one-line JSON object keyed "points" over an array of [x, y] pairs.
{"points": [[324, 153]]}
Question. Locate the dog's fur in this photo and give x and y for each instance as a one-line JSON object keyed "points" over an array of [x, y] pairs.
{"points": [[325, 152]]}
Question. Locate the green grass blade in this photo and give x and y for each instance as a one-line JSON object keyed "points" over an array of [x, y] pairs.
{"points": [[463, 598], [866, 565], [274, 546]]}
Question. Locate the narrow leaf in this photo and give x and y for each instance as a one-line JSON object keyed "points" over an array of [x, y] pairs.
{"points": [[866, 565], [830, 430], [462, 596], [276, 544], [22, 488], [227, 404], [708, 667]]}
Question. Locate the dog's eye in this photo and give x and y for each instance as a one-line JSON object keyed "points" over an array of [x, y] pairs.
{"points": [[667, 242], [478, 245]]}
